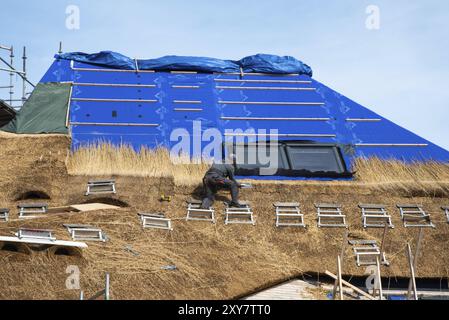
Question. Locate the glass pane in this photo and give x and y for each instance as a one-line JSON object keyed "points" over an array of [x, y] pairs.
{"points": [[252, 157], [314, 159]]}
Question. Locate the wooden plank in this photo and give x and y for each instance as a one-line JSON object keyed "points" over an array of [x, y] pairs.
{"points": [[347, 284], [93, 206], [327, 205], [57, 210], [412, 274], [408, 206], [379, 279], [340, 285], [286, 204], [372, 206], [35, 241]]}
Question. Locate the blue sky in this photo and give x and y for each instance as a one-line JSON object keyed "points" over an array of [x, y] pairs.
{"points": [[400, 71]]}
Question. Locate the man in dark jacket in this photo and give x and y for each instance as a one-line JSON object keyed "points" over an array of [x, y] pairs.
{"points": [[220, 176]]}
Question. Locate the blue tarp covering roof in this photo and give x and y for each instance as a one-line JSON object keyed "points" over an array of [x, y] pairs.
{"points": [[146, 108], [263, 63]]}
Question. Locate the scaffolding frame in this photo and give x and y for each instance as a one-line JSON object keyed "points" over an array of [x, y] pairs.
{"points": [[8, 67]]}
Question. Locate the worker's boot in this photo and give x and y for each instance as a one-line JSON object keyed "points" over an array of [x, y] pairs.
{"points": [[207, 203], [236, 205]]}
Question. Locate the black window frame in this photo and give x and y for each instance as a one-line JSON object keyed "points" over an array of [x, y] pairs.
{"points": [[287, 170], [336, 151]]}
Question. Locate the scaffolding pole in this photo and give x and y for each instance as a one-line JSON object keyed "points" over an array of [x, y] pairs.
{"points": [[11, 76], [24, 70], [18, 72], [412, 274], [415, 260]]}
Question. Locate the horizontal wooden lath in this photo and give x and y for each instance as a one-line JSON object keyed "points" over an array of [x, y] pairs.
{"points": [[115, 124], [188, 109], [391, 145], [363, 120], [266, 88], [185, 87], [273, 103], [113, 100], [187, 101], [124, 85], [112, 70], [274, 119], [303, 135], [263, 81]]}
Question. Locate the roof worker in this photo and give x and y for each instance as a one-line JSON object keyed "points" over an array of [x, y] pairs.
{"points": [[221, 176]]}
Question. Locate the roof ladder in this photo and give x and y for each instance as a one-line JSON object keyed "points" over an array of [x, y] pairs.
{"points": [[330, 215], [85, 233], [446, 211], [196, 213], [367, 252], [413, 215], [101, 187], [289, 215], [4, 214], [155, 221], [243, 215], [28, 210], [375, 216]]}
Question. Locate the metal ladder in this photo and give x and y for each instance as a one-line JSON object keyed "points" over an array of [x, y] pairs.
{"points": [[243, 215], [367, 252], [28, 210], [330, 215], [155, 221], [85, 233], [101, 187], [288, 214], [446, 211], [4, 214], [375, 216], [413, 216], [195, 213]]}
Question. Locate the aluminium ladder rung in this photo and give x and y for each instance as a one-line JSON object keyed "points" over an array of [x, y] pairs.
{"points": [[101, 187], [195, 213], [4, 215], [237, 215], [368, 253], [288, 214], [409, 206], [362, 242], [286, 204], [40, 234], [86, 233], [327, 205], [446, 211], [370, 249], [372, 206], [155, 221], [413, 216], [32, 208], [287, 210], [330, 216], [375, 216]]}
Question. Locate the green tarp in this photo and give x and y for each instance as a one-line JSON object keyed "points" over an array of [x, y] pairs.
{"points": [[44, 112]]}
